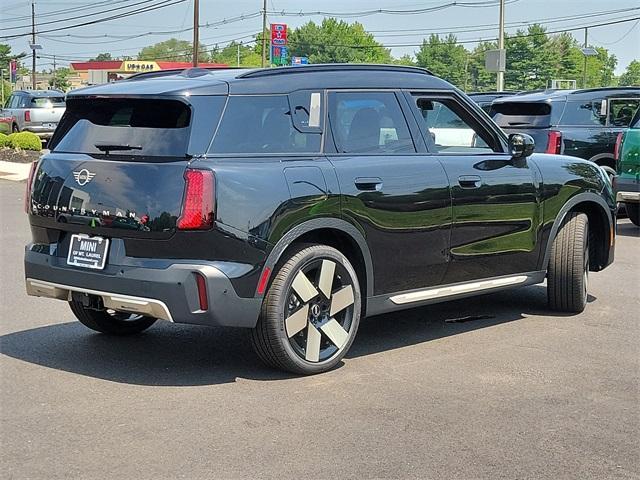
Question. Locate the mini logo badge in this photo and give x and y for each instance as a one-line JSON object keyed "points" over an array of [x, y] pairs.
{"points": [[83, 176]]}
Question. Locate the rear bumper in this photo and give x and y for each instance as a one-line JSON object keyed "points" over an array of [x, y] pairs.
{"points": [[162, 290], [627, 190], [41, 132]]}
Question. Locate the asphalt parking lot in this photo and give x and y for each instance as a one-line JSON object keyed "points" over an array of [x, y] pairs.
{"points": [[516, 392]]}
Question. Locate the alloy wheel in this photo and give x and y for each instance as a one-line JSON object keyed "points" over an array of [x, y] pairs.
{"points": [[319, 310]]}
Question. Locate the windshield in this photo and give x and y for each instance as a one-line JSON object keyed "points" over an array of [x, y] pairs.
{"points": [[130, 127]]}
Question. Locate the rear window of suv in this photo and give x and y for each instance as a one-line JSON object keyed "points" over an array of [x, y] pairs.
{"points": [[47, 102], [124, 126], [526, 114]]}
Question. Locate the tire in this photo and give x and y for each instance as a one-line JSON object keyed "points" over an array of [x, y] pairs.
{"points": [[633, 212], [110, 322], [568, 270], [311, 312]]}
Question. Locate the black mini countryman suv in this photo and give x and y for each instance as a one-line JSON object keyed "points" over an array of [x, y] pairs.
{"points": [[295, 201]]}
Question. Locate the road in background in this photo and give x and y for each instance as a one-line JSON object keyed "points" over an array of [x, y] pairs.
{"points": [[518, 393]]}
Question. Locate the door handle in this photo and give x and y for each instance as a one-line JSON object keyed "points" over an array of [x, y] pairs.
{"points": [[469, 181], [368, 184]]}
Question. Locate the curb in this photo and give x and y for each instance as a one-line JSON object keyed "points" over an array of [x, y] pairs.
{"points": [[17, 172]]}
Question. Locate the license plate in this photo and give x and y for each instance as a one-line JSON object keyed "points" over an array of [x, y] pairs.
{"points": [[88, 252], [50, 125]]}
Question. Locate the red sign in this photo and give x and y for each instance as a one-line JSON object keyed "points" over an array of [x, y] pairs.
{"points": [[278, 34]]}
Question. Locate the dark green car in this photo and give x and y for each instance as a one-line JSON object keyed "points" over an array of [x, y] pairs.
{"points": [[628, 163]]}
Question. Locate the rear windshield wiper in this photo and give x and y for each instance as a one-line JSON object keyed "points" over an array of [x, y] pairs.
{"points": [[107, 147]]}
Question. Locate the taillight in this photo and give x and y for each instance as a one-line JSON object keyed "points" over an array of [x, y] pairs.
{"points": [[554, 144], [199, 200], [616, 150], [27, 193], [27, 115]]}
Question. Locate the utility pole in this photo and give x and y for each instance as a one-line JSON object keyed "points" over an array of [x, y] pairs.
{"points": [[54, 71], [196, 33], [33, 42], [500, 74], [584, 69], [264, 33], [238, 54]]}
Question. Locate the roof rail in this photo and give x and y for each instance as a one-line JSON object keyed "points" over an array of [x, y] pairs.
{"points": [[598, 89], [334, 67], [186, 72]]}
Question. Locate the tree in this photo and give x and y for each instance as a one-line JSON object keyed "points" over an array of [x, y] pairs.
{"points": [[60, 79], [404, 60], [101, 57], [173, 50], [336, 41], [631, 75], [531, 59], [6, 56], [229, 55], [481, 80], [445, 58]]}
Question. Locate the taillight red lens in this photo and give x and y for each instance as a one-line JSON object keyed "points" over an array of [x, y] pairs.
{"points": [[616, 150], [27, 115], [199, 200], [27, 193], [554, 145]]}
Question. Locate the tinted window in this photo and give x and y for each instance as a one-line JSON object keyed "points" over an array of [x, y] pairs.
{"points": [[622, 111], [262, 124], [449, 129], [47, 102], [369, 122], [157, 128], [523, 114], [584, 112]]}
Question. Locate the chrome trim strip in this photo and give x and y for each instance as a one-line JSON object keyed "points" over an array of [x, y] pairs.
{"points": [[115, 301], [441, 292]]}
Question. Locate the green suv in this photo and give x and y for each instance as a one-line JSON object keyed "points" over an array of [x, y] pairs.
{"points": [[628, 161]]}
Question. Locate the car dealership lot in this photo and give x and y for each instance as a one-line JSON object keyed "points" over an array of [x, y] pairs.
{"points": [[507, 391]]}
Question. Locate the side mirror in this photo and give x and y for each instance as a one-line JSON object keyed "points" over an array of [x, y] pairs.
{"points": [[521, 145]]}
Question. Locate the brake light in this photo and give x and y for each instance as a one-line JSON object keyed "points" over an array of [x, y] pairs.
{"points": [[199, 200], [27, 115], [616, 150], [27, 193], [554, 144]]}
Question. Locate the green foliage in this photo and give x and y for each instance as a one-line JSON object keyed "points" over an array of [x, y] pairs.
{"points": [[6, 56], [631, 75], [101, 57], [6, 89], [4, 140], [173, 50], [335, 41], [229, 55], [480, 80], [407, 60], [60, 79], [25, 141], [444, 57]]}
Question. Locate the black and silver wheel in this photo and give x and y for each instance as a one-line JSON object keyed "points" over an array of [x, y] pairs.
{"points": [[311, 312], [568, 270], [110, 321]]}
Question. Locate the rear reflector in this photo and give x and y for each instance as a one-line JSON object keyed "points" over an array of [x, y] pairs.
{"points": [[616, 151], [199, 200], [27, 115], [27, 193], [264, 278], [554, 145], [202, 291]]}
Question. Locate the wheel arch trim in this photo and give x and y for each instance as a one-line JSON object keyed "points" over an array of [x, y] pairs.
{"points": [[323, 224], [584, 197]]}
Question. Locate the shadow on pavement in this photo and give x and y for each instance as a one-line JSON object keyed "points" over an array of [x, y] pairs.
{"points": [[628, 229], [183, 355]]}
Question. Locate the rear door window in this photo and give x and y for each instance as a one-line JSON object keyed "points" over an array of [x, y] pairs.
{"points": [[586, 113], [369, 122], [124, 126], [622, 111], [255, 124]]}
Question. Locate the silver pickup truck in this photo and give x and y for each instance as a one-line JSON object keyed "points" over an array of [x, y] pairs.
{"points": [[37, 111]]}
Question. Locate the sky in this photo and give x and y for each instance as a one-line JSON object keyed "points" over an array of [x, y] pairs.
{"points": [[622, 39]]}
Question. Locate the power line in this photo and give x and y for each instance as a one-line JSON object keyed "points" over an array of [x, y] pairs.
{"points": [[64, 10]]}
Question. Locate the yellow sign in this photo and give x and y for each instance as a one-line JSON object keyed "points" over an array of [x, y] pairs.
{"points": [[139, 66]]}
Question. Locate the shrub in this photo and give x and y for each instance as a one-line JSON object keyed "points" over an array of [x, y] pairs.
{"points": [[4, 140], [25, 141]]}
